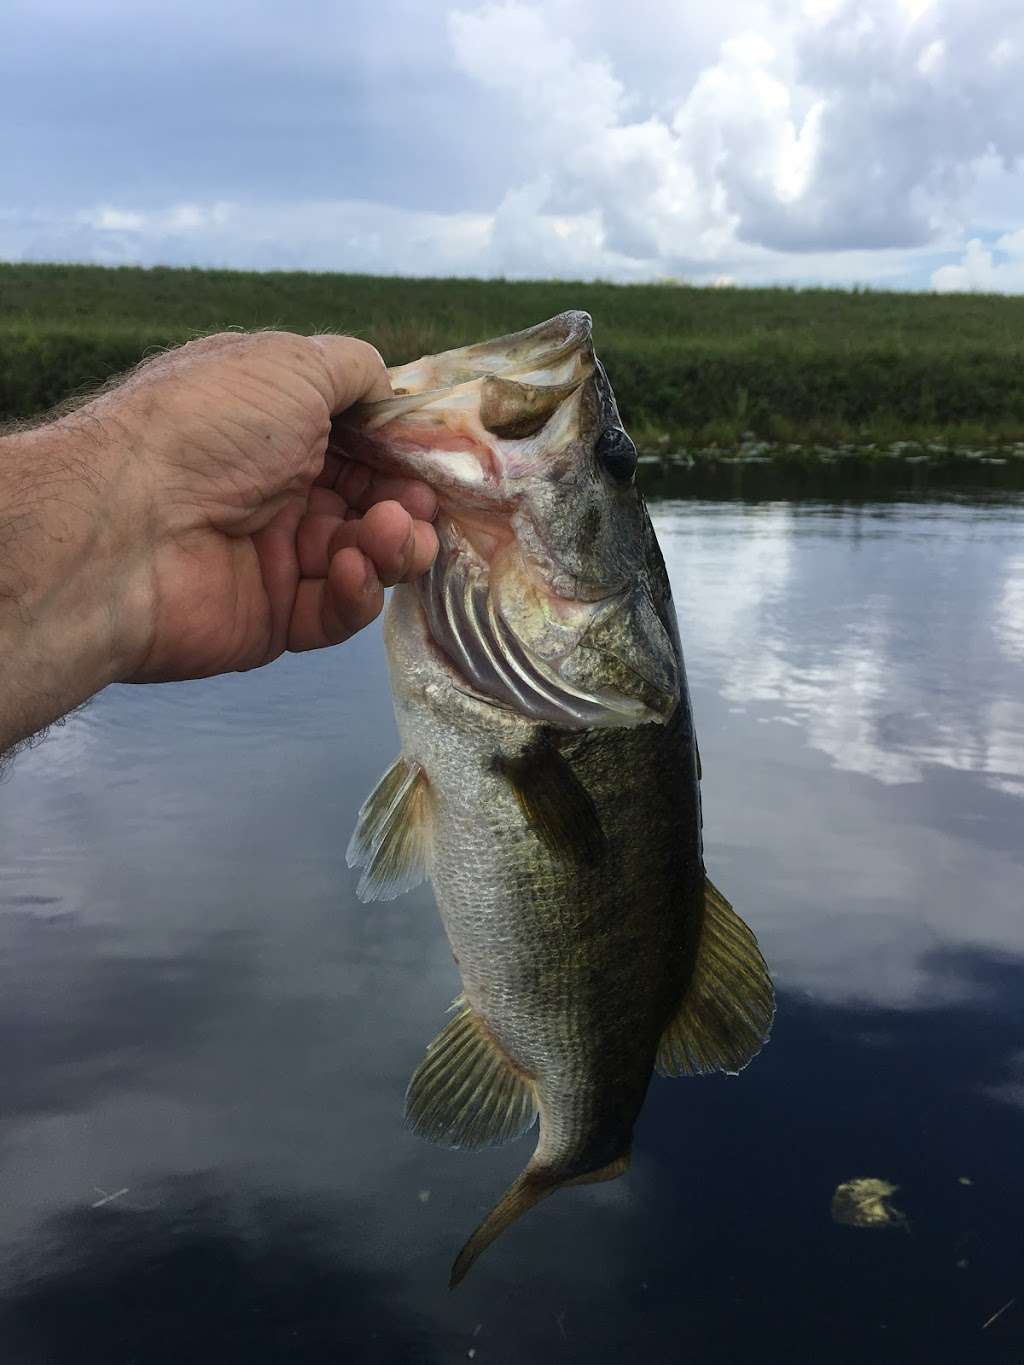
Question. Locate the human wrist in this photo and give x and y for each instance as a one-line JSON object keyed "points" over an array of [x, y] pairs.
{"points": [[67, 583]]}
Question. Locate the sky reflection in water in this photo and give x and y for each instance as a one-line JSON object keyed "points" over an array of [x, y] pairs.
{"points": [[193, 1006]]}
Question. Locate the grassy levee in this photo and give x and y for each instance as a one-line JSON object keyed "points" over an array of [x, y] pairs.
{"points": [[692, 367]]}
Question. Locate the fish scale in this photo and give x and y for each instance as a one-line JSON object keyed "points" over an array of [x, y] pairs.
{"points": [[548, 782]]}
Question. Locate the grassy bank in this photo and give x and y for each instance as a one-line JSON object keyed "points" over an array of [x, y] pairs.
{"points": [[693, 368]]}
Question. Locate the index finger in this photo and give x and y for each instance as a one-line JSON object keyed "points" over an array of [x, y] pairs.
{"points": [[355, 371]]}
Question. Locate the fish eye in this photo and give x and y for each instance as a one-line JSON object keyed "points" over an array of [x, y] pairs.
{"points": [[617, 453]]}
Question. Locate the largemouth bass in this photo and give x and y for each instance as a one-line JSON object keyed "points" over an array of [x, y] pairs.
{"points": [[548, 782]]}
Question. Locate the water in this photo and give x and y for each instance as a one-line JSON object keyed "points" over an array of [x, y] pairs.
{"points": [[206, 1039]]}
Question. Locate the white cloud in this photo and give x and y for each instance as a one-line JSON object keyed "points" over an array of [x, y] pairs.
{"points": [[177, 218], [980, 271], [108, 219], [313, 235], [931, 59], [766, 140], [861, 126]]}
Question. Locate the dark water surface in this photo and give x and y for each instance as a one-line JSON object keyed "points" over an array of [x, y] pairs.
{"points": [[205, 1038]]}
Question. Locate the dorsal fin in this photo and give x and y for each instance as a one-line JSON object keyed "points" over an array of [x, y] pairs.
{"points": [[726, 1014], [391, 838], [467, 1092]]}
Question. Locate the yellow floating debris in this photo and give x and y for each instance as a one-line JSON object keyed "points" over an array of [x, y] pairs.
{"points": [[863, 1203]]}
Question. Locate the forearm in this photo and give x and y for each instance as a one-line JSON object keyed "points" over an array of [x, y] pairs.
{"points": [[62, 584]]}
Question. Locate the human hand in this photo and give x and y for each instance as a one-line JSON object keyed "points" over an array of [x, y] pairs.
{"points": [[192, 520], [259, 538]]}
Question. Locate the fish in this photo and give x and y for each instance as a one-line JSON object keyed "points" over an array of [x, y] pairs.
{"points": [[548, 782]]}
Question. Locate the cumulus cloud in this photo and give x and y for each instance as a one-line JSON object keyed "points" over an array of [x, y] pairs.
{"points": [[831, 140], [308, 235], [854, 129], [987, 270]]}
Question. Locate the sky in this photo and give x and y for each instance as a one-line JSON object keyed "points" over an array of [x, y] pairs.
{"points": [[844, 142]]}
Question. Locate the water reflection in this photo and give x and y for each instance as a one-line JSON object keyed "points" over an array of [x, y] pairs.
{"points": [[195, 1009], [204, 1274], [862, 730], [895, 643], [1009, 610], [720, 1247]]}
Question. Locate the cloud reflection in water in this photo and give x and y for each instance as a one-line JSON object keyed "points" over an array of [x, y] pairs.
{"points": [[194, 1006]]}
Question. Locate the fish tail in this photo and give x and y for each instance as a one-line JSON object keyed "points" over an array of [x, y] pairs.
{"points": [[535, 1184]]}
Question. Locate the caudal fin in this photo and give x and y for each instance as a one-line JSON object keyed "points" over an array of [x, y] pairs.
{"points": [[535, 1184]]}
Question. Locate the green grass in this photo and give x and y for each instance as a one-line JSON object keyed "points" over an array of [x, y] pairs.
{"points": [[691, 367]]}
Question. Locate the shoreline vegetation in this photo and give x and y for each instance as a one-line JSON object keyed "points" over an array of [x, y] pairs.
{"points": [[702, 375]]}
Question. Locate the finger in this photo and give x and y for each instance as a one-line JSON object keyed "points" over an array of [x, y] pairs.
{"points": [[355, 371], [339, 472], [413, 560], [330, 610], [326, 502], [424, 550], [362, 487], [386, 534], [400, 547], [313, 542], [325, 512]]}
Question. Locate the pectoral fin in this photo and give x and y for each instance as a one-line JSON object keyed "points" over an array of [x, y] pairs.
{"points": [[726, 1015], [467, 1092], [555, 802], [391, 838]]}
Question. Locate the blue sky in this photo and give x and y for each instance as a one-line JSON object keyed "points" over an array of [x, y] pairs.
{"points": [[814, 141]]}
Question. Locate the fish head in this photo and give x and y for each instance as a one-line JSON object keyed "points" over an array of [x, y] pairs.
{"points": [[549, 594]]}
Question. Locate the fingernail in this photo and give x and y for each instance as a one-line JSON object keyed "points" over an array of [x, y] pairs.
{"points": [[371, 583]]}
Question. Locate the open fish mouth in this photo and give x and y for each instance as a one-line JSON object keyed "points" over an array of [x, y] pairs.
{"points": [[526, 614], [552, 355], [473, 421], [477, 423]]}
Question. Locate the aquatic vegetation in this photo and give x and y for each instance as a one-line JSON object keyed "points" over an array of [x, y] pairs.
{"points": [[864, 1203], [695, 369]]}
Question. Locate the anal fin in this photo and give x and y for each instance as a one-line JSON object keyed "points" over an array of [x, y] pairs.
{"points": [[467, 1092], [725, 1017], [391, 840]]}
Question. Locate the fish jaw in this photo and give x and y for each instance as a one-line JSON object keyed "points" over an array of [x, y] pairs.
{"points": [[473, 421], [540, 597], [543, 354], [478, 445], [459, 466]]}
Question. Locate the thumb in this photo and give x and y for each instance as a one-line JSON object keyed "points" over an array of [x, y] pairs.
{"points": [[355, 371]]}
